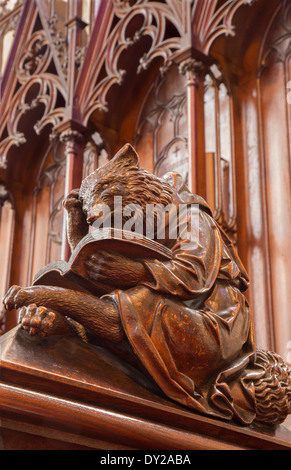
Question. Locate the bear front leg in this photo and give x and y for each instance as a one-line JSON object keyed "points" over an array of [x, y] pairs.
{"points": [[43, 322], [99, 316]]}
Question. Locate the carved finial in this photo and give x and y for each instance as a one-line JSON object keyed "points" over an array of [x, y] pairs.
{"points": [[71, 134], [4, 195], [73, 140], [192, 69]]}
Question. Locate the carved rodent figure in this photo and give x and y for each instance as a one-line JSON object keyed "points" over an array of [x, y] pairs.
{"points": [[201, 353], [45, 310], [122, 176]]}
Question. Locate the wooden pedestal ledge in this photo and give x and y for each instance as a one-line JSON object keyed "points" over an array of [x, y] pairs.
{"points": [[60, 393]]}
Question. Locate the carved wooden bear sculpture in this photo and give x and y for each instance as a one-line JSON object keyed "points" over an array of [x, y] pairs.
{"points": [[185, 320]]}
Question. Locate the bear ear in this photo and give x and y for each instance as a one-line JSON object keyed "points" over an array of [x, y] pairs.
{"points": [[126, 156]]}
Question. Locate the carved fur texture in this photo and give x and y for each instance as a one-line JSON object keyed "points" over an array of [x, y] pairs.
{"points": [[272, 389], [122, 176]]}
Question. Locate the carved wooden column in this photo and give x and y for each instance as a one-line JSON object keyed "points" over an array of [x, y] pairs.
{"points": [[75, 27], [74, 141], [193, 70], [7, 221]]}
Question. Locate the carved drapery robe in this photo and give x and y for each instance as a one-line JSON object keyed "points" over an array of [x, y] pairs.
{"points": [[190, 326]]}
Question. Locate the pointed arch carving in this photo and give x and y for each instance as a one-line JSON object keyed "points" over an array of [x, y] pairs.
{"points": [[154, 18], [213, 19], [35, 84], [173, 27]]}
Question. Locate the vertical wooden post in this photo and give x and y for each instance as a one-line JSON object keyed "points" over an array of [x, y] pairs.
{"points": [[193, 70], [74, 142], [75, 25], [70, 132], [7, 221]]}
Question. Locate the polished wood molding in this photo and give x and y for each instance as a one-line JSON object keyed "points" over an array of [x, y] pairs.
{"points": [[46, 403]]}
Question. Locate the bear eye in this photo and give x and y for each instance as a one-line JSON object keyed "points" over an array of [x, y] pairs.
{"points": [[104, 186]]}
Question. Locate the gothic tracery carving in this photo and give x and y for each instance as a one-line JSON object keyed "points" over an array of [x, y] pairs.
{"points": [[5, 8], [32, 70]]}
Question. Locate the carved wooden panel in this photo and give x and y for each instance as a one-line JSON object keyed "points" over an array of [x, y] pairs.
{"points": [[274, 67], [47, 214], [161, 132], [7, 223], [9, 17], [220, 150], [95, 154], [162, 135]]}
